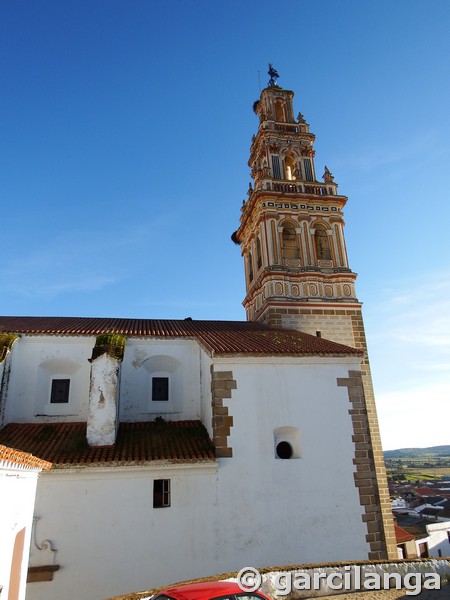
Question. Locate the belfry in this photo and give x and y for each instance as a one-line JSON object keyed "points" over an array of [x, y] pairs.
{"points": [[297, 272], [291, 230]]}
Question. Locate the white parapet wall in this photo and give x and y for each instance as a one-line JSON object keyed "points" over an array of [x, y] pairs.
{"points": [[315, 581], [413, 576]]}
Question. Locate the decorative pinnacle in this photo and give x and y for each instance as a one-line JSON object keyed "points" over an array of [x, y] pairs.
{"points": [[327, 176], [273, 76]]}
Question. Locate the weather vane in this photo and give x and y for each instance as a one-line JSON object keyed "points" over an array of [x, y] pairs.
{"points": [[273, 75]]}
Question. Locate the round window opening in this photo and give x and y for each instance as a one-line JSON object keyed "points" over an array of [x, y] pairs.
{"points": [[284, 450]]}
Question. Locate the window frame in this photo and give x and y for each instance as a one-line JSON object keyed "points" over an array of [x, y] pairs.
{"points": [[64, 390], [159, 378], [162, 498]]}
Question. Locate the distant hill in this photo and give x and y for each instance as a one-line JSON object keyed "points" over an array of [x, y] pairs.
{"points": [[418, 452]]}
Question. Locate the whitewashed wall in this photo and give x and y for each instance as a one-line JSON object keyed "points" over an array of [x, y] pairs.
{"points": [[17, 494], [39, 359], [110, 540], [179, 360], [256, 510], [36, 361], [299, 510]]}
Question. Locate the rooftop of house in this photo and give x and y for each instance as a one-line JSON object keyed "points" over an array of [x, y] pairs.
{"points": [[217, 337], [416, 526], [433, 494], [402, 536], [13, 457], [65, 445]]}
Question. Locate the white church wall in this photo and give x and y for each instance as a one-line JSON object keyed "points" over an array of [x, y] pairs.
{"points": [[179, 361], [110, 540], [17, 494], [40, 359], [37, 360], [255, 509], [296, 510]]}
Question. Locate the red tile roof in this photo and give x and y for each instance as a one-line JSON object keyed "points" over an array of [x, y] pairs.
{"points": [[10, 455], [65, 445], [217, 337], [402, 535], [424, 491]]}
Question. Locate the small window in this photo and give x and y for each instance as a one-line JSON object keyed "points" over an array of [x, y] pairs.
{"points": [[60, 391], [160, 388], [250, 266], [280, 111], [286, 442], [322, 243], [290, 167], [308, 169], [284, 450], [258, 254], [423, 550], [161, 493], [289, 242], [276, 168]]}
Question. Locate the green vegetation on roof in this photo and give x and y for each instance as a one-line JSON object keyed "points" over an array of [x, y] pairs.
{"points": [[112, 344], [6, 343]]}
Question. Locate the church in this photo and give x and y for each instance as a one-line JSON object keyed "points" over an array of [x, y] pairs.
{"points": [[185, 448]]}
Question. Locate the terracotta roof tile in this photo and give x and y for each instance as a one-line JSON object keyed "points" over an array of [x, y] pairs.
{"points": [[64, 444], [402, 535], [22, 458], [415, 526], [217, 337]]}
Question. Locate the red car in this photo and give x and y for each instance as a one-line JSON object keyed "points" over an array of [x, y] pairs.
{"points": [[208, 590]]}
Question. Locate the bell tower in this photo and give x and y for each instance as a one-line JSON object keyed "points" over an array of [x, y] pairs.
{"points": [[292, 228], [298, 276]]}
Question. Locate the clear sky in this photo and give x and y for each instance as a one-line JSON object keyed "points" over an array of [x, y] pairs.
{"points": [[125, 129]]}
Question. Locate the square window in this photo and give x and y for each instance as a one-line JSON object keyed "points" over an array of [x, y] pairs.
{"points": [[60, 391], [161, 493], [160, 388]]}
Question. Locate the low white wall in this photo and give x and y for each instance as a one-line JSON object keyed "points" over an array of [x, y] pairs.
{"points": [[323, 581], [276, 582]]}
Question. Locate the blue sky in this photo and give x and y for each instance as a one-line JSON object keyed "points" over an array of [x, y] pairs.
{"points": [[124, 138]]}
